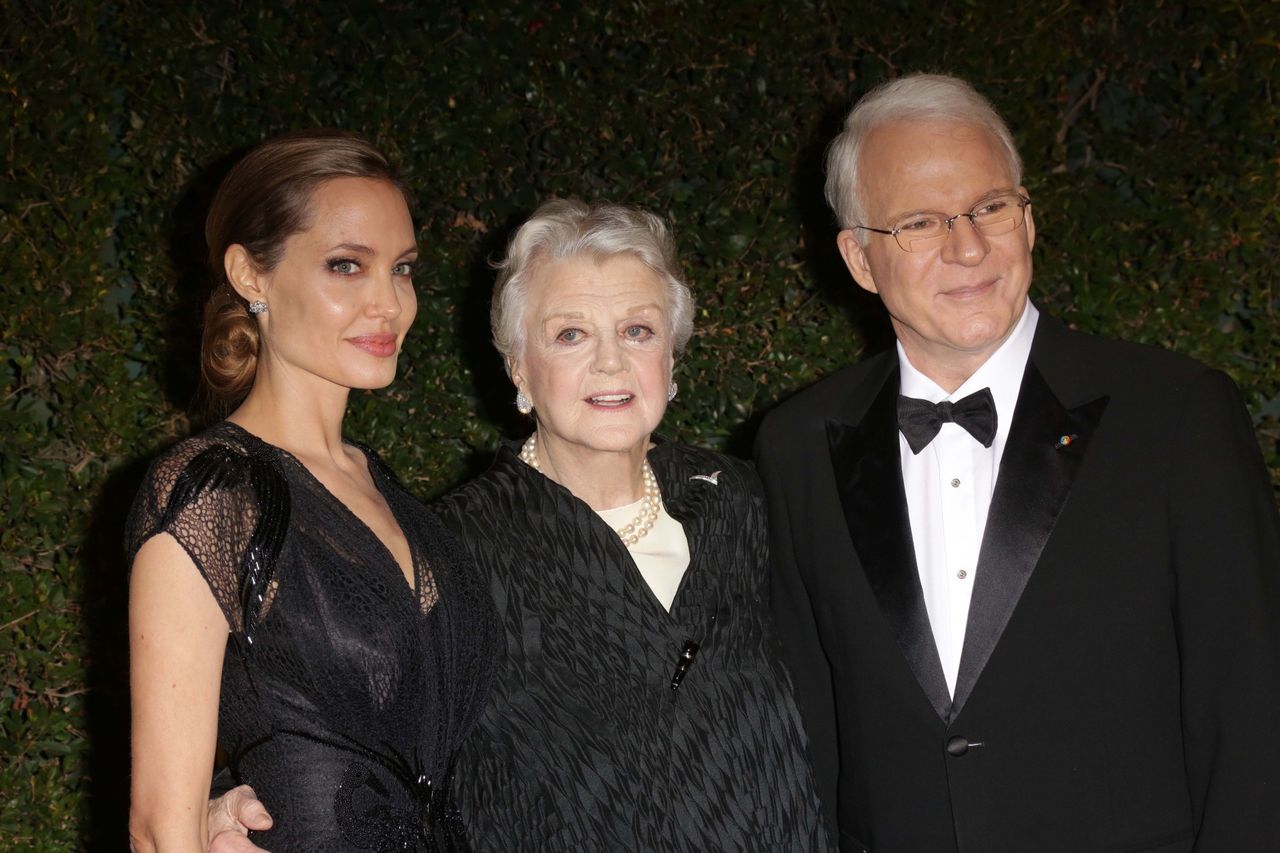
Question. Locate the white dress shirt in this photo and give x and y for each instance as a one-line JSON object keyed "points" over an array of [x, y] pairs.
{"points": [[949, 486]]}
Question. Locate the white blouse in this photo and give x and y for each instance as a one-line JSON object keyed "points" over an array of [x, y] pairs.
{"points": [[662, 555]]}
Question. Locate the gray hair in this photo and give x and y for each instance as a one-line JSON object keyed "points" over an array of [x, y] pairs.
{"points": [[567, 228], [916, 97]]}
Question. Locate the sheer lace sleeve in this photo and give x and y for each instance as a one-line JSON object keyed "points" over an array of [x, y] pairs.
{"points": [[229, 510]]}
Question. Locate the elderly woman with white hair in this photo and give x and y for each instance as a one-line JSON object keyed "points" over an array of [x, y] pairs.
{"points": [[639, 704]]}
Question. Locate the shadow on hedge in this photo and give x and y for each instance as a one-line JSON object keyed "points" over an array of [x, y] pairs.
{"points": [[491, 388], [104, 615], [862, 310], [189, 260]]}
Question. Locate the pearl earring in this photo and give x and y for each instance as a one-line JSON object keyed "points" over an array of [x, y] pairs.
{"points": [[523, 404]]}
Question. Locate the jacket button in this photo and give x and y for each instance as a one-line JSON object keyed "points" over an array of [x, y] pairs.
{"points": [[957, 746]]}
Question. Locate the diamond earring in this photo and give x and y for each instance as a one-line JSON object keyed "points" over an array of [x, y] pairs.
{"points": [[523, 404], [257, 306], [672, 390]]}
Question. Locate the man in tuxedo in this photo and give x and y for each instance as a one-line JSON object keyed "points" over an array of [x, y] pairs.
{"points": [[1027, 580]]}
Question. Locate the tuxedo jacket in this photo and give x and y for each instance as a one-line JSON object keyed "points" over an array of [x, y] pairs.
{"points": [[1118, 684]]}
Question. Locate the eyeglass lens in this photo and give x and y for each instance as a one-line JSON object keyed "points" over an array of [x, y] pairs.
{"points": [[991, 218]]}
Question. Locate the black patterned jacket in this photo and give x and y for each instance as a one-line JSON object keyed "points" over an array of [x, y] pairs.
{"points": [[584, 744]]}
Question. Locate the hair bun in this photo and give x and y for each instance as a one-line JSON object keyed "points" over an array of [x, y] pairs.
{"points": [[229, 346]]}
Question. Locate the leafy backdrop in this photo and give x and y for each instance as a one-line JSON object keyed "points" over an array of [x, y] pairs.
{"points": [[1149, 130]]}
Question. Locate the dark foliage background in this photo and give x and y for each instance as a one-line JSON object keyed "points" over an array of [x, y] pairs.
{"points": [[1149, 130]]}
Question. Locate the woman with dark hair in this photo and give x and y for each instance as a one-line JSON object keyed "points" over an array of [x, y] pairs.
{"points": [[289, 601]]}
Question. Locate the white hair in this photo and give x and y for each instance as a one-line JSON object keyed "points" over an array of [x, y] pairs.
{"points": [[567, 228], [916, 97]]}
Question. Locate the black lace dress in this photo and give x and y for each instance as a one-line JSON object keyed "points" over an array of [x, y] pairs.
{"points": [[344, 692]]}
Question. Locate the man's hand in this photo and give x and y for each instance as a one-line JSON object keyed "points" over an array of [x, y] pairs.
{"points": [[231, 816]]}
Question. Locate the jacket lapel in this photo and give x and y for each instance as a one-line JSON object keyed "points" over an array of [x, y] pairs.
{"points": [[868, 471], [1046, 444], [690, 503]]}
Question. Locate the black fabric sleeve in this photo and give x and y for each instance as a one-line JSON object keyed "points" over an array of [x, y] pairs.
{"points": [[204, 496], [796, 628], [1226, 558]]}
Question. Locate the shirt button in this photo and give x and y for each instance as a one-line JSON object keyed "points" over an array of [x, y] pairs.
{"points": [[955, 484], [962, 574]]}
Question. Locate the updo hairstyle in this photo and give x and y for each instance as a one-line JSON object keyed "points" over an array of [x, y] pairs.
{"points": [[264, 200], [567, 228]]}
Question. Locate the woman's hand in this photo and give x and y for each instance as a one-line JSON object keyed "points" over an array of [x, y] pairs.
{"points": [[231, 816]]}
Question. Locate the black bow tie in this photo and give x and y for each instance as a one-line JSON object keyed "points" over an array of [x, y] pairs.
{"points": [[920, 420]]}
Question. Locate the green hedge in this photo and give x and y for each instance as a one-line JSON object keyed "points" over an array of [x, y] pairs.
{"points": [[1149, 131]]}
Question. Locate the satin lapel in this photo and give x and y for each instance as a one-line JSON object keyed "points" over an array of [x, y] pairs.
{"points": [[868, 471], [1046, 444]]}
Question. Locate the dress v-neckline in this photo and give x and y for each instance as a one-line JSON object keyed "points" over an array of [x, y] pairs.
{"points": [[412, 586]]}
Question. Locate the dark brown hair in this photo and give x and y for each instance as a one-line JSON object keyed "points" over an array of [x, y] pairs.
{"points": [[264, 200]]}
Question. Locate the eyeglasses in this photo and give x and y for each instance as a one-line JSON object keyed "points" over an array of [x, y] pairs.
{"points": [[991, 217]]}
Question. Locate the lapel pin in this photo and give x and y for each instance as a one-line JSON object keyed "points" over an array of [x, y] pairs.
{"points": [[713, 478], [1066, 440]]}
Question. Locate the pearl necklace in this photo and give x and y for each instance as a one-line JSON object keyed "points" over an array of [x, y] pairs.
{"points": [[651, 503]]}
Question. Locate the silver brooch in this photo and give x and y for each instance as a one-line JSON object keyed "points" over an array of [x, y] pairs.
{"points": [[713, 478]]}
